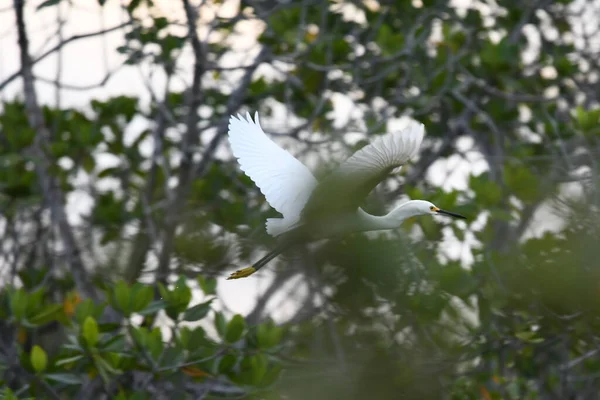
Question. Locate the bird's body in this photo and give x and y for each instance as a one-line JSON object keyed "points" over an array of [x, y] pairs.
{"points": [[315, 210]]}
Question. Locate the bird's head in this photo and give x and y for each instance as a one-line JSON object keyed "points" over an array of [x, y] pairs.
{"points": [[422, 207]]}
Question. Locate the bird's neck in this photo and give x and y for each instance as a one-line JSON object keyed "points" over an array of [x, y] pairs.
{"points": [[392, 220], [377, 222], [404, 211]]}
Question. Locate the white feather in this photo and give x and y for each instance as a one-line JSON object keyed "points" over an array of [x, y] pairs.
{"points": [[293, 191], [286, 182], [345, 188], [390, 150]]}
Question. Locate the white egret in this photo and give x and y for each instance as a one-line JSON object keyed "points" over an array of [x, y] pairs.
{"points": [[331, 207]]}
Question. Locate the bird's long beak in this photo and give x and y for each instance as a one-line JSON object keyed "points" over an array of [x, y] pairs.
{"points": [[450, 214]]}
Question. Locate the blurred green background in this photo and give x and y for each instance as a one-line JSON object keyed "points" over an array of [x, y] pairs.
{"points": [[122, 210]]}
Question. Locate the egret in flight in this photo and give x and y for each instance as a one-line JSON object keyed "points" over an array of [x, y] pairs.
{"points": [[314, 210]]}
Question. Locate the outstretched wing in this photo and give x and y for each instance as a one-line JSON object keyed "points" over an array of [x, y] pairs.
{"points": [[344, 189], [286, 182]]}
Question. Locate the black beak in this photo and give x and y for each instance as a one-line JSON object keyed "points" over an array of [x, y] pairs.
{"points": [[451, 214]]}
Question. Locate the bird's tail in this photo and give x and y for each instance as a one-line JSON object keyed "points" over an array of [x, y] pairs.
{"points": [[278, 226], [245, 272]]}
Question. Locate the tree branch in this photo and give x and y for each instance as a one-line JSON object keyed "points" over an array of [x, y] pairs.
{"points": [[59, 46], [235, 100], [49, 189], [254, 317], [189, 144]]}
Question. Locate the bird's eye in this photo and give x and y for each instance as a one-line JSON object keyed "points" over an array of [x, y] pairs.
{"points": [[432, 208]]}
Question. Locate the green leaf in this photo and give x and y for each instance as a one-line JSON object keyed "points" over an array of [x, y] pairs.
{"points": [[564, 66], [258, 364], [85, 309], [48, 3], [197, 312], [454, 279], [499, 57], [8, 394], [388, 39], [155, 342], [235, 329], [525, 335], [142, 296], [220, 324], [104, 368], [227, 363], [109, 172], [522, 182], [172, 356], [208, 286], [133, 4], [39, 359], [500, 214], [268, 335], [271, 376], [121, 295], [487, 192], [140, 396], [109, 327], [528, 336], [153, 307], [88, 163], [32, 278], [139, 335], [581, 116], [67, 379], [121, 395], [587, 120], [68, 360], [113, 359], [18, 304], [115, 344], [177, 299], [90, 331], [164, 292], [181, 294], [246, 373], [459, 233], [193, 339], [35, 301], [47, 314]]}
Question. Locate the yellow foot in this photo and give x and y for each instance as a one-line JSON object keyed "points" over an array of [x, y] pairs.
{"points": [[242, 273]]}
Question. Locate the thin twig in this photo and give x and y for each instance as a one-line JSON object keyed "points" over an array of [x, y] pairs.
{"points": [[59, 46], [52, 193]]}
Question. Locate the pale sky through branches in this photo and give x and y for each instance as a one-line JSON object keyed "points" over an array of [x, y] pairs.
{"points": [[91, 68]]}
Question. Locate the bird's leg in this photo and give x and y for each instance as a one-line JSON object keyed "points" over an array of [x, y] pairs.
{"points": [[242, 273], [245, 272], [290, 239]]}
